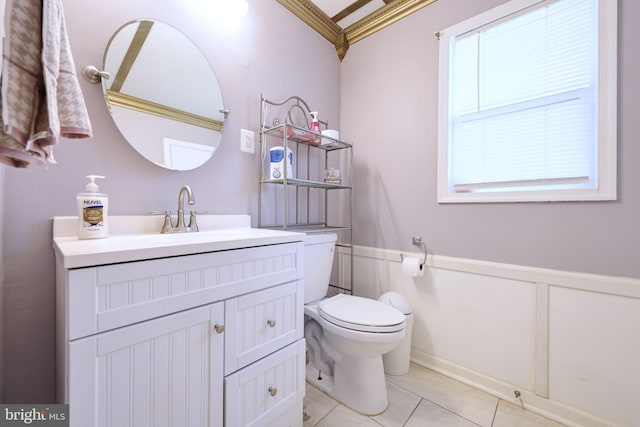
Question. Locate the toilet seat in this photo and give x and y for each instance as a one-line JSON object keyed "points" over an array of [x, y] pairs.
{"points": [[361, 314]]}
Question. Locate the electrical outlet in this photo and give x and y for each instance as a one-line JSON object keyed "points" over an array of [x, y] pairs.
{"points": [[247, 141]]}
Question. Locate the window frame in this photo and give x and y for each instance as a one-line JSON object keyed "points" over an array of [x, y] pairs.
{"points": [[606, 113]]}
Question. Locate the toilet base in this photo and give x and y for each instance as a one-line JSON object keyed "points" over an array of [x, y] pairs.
{"points": [[321, 381], [358, 383]]}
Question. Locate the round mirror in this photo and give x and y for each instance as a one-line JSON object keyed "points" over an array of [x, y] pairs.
{"points": [[163, 95]]}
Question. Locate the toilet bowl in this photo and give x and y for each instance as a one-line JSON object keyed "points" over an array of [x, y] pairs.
{"points": [[346, 335]]}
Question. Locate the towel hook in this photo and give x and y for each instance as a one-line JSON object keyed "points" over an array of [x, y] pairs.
{"points": [[93, 74], [417, 241]]}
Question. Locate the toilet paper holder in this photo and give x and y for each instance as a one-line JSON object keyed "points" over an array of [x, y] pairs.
{"points": [[417, 241]]}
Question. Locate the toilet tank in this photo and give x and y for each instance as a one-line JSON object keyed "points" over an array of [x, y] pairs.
{"points": [[318, 261]]}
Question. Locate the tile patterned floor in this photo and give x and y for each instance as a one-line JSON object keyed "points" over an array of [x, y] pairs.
{"points": [[424, 398]]}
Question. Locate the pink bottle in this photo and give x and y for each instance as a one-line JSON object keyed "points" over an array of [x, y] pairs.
{"points": [[315, 124]]}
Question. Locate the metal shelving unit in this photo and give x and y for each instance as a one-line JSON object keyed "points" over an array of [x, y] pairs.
{"points": [[304, 202]]}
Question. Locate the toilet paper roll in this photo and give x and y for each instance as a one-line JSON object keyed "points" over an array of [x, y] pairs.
{"points": [[411, 266]]}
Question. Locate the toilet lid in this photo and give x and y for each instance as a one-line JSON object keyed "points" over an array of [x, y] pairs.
{"points": [[361, 314]]}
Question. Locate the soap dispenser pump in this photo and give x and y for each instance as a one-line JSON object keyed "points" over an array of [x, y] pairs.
{"points": [[315, 124], [92, 211]]}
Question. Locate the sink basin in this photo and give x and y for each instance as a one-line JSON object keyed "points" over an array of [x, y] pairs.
{"points": [[201, 235], [134, 238], [232, 234]]}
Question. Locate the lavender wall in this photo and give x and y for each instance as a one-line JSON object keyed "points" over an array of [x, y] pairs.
{"points": [[389, 101], [269, 51]]}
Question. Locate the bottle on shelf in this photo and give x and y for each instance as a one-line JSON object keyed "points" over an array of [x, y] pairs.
{"points": [[315, 124]]}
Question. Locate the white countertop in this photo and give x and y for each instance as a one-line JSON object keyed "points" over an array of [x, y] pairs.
{"points": [[134, 238]]}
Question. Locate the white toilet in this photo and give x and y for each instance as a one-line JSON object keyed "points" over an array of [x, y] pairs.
{"points": [[346, 335]]}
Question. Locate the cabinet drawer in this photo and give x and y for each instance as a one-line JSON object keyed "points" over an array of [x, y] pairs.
{"points": [[260, 323], [267, 391], [108, 297]]}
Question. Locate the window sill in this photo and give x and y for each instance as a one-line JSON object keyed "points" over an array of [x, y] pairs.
{"points": [[590, 195]]}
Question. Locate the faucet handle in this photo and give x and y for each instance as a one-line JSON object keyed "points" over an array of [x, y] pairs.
{"points": [[193, 225], [168, 225]]}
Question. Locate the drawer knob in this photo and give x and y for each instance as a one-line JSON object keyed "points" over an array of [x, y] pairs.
{"points": [[271, 323], [273, 391], [219, 328]]}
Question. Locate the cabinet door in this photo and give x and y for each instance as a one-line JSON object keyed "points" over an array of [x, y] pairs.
{"points": [[162, 372]]}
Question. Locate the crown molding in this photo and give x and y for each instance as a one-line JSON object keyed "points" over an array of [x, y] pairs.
{"points": [[383, 17], [341, 38]]}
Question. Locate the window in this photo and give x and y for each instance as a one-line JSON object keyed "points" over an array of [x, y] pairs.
{"points": [[527, 108]]}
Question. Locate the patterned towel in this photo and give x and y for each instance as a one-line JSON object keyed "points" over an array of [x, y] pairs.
{"points": [[67, 112], [41, 98]]}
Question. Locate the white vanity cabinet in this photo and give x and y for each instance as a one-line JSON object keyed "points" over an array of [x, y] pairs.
{"points": [[209, 337]]}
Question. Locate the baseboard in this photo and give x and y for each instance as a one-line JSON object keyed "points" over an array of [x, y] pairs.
{"points": [[551, 409]]}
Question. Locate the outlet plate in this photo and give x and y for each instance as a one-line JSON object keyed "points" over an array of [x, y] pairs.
{"points": [[247, 141]]}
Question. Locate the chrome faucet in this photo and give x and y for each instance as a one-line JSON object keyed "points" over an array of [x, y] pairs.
{"points": [[180, 227]]}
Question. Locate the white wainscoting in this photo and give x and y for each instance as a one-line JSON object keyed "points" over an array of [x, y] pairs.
{"points": [[568, 342]]}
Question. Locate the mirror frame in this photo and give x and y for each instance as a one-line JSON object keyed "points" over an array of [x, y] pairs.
{"points": [[114, 97]]}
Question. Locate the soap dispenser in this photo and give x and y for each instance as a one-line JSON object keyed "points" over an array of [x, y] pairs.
{"points": [[92, 211], [315, 124]]}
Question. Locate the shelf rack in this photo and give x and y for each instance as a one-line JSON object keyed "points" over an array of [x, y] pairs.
{"points": [[304, 202]]}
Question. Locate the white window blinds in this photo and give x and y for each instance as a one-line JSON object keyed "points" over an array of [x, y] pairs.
{"points": [[523, 100]]}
